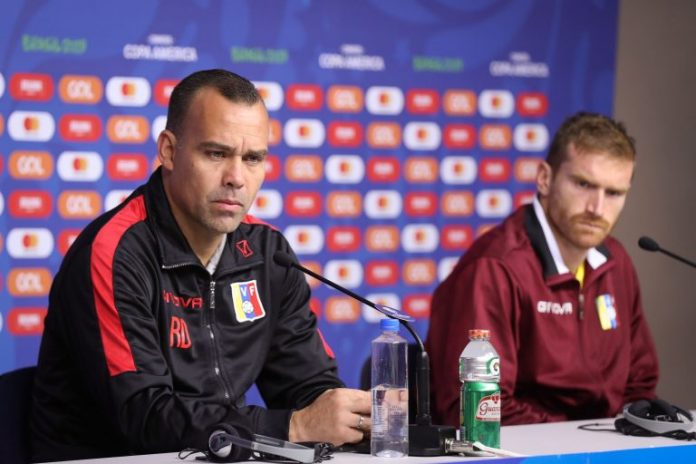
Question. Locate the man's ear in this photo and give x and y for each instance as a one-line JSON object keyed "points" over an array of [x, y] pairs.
{"points": [[544, 177], [166, 146]]}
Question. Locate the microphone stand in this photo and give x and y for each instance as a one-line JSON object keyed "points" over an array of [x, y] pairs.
{"points": [[425, 439]]}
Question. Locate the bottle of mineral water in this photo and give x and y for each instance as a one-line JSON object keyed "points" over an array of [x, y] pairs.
{"points": [[389, 437], [479, 372]]}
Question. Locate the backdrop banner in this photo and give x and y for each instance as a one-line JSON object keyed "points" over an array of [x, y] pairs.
{"points": [[401, 130]]}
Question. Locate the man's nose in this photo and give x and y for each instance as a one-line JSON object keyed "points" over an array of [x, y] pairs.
{"points": [[234, 172], [595, 203]]}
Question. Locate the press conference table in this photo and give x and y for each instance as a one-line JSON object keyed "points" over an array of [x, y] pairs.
{"points": [[556, 443]]}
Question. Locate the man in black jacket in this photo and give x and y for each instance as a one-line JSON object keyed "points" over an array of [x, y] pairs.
{"points": [[169, 307]]}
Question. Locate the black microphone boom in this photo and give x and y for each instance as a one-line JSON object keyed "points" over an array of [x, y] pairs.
{"points": [[425, 439], [649, 244]]}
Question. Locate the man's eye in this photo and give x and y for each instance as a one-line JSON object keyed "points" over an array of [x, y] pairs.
{"points": [[216, 154], [253, 159]]}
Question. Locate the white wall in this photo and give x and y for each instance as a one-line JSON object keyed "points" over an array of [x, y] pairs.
{"points": [[656, 98]]}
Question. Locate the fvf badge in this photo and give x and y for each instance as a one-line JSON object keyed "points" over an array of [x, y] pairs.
{"points": [[246, 300]]}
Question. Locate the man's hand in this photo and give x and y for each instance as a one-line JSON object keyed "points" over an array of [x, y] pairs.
{"points": [[337, 416]]}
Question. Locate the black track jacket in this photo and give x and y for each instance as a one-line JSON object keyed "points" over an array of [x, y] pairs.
{"points": [[144, 351]]}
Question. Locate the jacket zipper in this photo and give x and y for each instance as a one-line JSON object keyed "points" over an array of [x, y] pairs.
{"points": [[581, 306], [216, 352]]}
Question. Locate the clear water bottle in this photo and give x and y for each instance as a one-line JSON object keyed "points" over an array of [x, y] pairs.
{"points": [[389, 437], [479, 372]]}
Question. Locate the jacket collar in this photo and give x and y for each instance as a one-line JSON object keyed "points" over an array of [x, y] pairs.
{"points": [[546, 247], [174, 249]]}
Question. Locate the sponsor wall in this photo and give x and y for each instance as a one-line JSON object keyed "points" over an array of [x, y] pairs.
{"points": [[401, 130]]}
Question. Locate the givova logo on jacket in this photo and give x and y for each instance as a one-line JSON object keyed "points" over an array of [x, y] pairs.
{"points": [[247, 304]]}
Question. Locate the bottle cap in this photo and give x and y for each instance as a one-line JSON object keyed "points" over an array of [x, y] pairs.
{"points": [[389, 325], [479, 334]]}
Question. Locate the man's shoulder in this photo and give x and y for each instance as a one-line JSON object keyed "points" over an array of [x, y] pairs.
{"points": [[505, 242]]}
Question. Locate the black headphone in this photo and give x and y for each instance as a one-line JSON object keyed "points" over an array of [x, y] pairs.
{"points": [[656, 417]]}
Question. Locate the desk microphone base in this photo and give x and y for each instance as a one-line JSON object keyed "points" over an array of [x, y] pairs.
{"points": [[429, 440]]}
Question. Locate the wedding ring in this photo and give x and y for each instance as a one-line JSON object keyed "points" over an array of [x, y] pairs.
{"points": [[360, 422]]}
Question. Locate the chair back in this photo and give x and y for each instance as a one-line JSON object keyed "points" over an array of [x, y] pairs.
{"points": [[15, 410]]}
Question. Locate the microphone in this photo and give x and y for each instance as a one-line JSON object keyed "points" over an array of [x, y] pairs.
{"points": [[649, 244], [425, 439]]}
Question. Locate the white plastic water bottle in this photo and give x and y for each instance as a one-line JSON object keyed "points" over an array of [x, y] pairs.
{"points": [[389, 437]]}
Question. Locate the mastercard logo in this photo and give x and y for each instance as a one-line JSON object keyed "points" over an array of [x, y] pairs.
{"points": [[31, 126], [494, 203], [304, 133], [445, 267], [383, 204], [496, 104], [80, 166], [422, 136], [345, 169], [271, 93], [128, 91], [275, 132], [305, 239], [458, 170], [29, 243], [384, 100], [419, 238], [268, 204], [345, 272]]}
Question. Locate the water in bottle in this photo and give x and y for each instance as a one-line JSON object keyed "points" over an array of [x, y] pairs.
{"points": [[389, 437], [479, 372]]}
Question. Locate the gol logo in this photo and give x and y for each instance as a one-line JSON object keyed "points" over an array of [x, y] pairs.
{"points": [[73, 204], [127, 129], [495, 170], [345, 133], [421, 204], [272, 168], [421, 169], [26, 321], [458, 203], [343, 203], [127, 166], [495, 137], [456, 237], [80, 127], [304, 168], [422, 101], [305, 239], [66, 238], [275, 132], [29, 281], [419, 271], [31, 126], [30, 165], [343, 239], [383, 169], [384, 100], [526, 168], [272, 94], [304, 204], [345, 99], [417, 306], [304, 97], [382, 238], [30, 204], [460, 136], [532, 104], [381, 273], [31, 87], [345, 169], [85, 90], [383, 135], [458, 102], [268, 204], [342, 310], [163, 91]]}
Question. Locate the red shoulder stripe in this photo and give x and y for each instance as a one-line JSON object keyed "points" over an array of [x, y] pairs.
{"points": [[119, 357]]}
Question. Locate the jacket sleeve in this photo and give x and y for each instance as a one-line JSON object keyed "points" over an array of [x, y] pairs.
{"points": [[480, 294], [644, 371], [300, 365]]}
